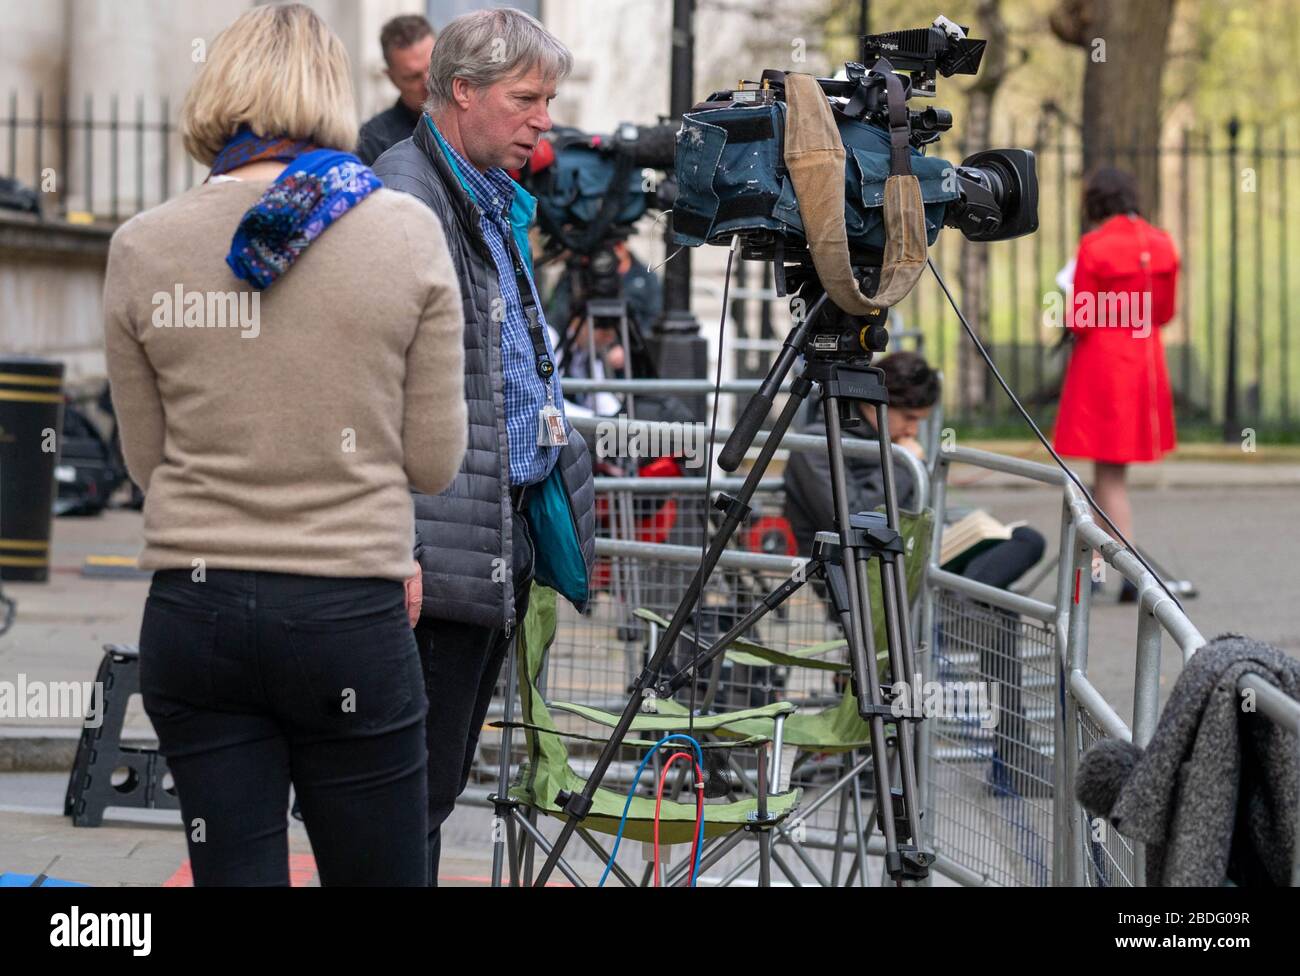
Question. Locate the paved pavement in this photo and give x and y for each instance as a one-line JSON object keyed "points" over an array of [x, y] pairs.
{"points": [[147, 847], [1226, 526]]}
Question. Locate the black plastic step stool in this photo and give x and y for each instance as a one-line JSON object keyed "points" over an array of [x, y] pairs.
{"points": [[100, 752]]}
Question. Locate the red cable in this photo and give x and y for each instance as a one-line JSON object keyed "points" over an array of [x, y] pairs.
{"points": [[659, 798], [699, 810]]}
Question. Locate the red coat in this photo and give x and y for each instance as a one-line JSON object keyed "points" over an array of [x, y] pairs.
{"points": [[1115, 403]]}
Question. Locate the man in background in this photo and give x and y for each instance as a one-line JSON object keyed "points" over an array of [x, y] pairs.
{"points": [[407, 43]]}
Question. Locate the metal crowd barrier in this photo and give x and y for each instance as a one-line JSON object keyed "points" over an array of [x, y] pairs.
{"points": [[999, 800], [1000, 834]]}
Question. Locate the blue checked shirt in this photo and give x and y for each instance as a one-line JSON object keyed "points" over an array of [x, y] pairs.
{"points": [[525, 391]]}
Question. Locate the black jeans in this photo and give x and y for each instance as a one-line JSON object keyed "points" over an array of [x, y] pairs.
{"points": [[255, 680], [1003, 563], [461, 666]]}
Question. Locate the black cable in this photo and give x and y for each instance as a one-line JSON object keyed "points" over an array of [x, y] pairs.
{"points": [[988, 360], [708, 485]]}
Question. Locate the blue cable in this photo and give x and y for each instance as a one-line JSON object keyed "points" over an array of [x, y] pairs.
{"points": [[636, 781]]}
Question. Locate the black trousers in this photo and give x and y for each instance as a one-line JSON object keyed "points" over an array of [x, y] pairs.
{"points": [[1002, 564], [461, 666], [256, 680]]}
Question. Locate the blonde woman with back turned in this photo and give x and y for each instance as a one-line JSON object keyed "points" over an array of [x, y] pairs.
{"points": [[285, 352]]}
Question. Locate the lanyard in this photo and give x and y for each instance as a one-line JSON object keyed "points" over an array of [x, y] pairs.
{"points": [[543, 363], [550, 420]]}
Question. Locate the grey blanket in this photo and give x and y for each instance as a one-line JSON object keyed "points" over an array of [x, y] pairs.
{"points": [[1213, 796]]}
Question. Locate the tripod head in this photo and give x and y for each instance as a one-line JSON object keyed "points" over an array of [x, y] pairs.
{"points": [[825, 336], [596, 287], [598, 298], [836, 335]]}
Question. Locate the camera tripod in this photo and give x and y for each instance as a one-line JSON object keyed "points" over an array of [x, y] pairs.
{"points": [[837, 361]]}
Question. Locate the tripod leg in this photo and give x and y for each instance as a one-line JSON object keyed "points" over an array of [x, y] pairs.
{"points": [[898, 624], [627, 355], [859, 634], [897, 634]]}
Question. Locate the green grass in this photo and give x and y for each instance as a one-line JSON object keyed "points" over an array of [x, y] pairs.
{"points": [[1014, 429]]}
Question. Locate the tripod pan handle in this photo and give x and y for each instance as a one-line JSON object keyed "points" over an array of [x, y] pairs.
{"points": [[756, 411]]}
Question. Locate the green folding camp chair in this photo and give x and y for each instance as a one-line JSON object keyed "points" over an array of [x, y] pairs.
{"points": [[838, 729], [546, 772]]}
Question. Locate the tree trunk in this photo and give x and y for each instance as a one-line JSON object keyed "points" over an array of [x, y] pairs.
{"points": [[972, 374], [1125, 44]]}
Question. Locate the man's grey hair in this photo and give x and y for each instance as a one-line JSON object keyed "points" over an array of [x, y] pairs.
{"points": [[486, 46]]}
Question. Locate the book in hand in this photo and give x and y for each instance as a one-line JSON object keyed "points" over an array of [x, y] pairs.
{"points": [[966, 538]]}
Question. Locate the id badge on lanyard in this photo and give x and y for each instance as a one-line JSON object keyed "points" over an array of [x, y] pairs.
{"points": [[550, 421], [550, 427]]}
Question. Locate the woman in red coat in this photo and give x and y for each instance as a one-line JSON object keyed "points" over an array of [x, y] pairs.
{"points": [[1116, 406]]}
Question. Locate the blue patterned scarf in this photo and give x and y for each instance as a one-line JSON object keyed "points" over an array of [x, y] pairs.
{"points": [[317, 188]]}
